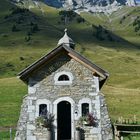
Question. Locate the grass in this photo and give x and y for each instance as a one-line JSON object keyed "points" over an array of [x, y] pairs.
{"points": [[19, 59], [122, 102], [5, 135], [12, 92], [121, 59], [132, 137]]}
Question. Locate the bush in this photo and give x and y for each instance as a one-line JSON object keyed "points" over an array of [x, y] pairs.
{"points": [[80, 19], [88, 120], [45, 120], [21, 58], [110, 38], [137, 29], [69, 14], [34, 28], [27, 38], [14, 28], [20, 20], [19, 10], [99, 33], [9, 65]]}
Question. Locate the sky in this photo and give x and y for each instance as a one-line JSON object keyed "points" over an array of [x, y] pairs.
{"points": [[138, 1]]}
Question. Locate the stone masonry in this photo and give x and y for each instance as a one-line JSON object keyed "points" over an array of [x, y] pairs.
{"points": [[85, 85], [64, 76]]}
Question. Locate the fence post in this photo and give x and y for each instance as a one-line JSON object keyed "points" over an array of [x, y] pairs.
{"points": [[10, 133]]}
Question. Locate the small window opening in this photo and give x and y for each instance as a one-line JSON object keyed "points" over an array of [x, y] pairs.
{"points": [[85, 109], [63, 78], [42, 109]]}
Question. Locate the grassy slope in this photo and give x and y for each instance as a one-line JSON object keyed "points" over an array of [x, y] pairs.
{"points": [[11, 93], [122, 90], [121, 59]]}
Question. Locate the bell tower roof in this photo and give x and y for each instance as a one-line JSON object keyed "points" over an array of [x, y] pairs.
{"points": [[66, 40]]}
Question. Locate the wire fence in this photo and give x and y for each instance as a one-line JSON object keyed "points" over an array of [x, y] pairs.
{"points": [[7, 133]]}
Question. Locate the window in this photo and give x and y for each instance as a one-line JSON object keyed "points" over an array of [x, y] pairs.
{"points": [[85, 106], [42, 109], [42, 106], [63, 78], [85, 109]]}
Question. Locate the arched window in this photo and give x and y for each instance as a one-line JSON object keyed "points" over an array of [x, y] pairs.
{"points": [[85, 109], [63, 77], [42, 109]]}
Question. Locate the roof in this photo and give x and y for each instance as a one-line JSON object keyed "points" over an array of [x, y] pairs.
{"points": [[97, 71]]}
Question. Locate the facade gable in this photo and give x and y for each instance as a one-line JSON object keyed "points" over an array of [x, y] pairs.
{"points": [[82, 79], [68, 53]]}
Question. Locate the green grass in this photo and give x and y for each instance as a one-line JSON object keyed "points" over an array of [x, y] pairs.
{"points": [[132, 137], [122, 102], [112, 23], [19, 58], [11, 93], [5, 135]]}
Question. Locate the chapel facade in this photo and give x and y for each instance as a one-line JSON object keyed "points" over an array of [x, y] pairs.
{"points": [[68, 86]]}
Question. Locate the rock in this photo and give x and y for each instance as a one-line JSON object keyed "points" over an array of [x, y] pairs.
{"points": [[107, 6], [93, 6]]}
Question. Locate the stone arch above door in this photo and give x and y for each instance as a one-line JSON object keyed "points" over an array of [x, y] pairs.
{"points": [[64, 99]]}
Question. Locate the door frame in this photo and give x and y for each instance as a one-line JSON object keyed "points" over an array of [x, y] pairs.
{"points": [[55, 103]]}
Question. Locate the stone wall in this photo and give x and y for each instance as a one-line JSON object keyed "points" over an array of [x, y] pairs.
{"points": [[106, 126], [84, 87], [22, 123], [81, 85]]}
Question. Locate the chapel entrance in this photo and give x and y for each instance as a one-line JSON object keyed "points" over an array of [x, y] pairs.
{"points": [[64, 120]]}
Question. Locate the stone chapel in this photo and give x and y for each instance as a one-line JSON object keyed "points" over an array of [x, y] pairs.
{"points": [[68, 86]]}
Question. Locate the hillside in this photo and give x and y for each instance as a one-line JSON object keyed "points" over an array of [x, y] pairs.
{"points": [[110, 41]]}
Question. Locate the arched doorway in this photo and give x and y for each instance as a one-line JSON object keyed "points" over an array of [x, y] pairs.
{"points": [[63, 120]]}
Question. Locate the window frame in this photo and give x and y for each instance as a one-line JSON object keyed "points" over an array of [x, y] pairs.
{"points": [[85, 100], [43, 108], [82, 107], [43, 101], [67, 82]]}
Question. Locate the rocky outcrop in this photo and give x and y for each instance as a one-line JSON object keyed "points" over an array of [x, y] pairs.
{"points": [[91, 5], [106, 6]]}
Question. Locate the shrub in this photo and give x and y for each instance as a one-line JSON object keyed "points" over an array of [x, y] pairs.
{"points": [[89, 120], [27, 38], [34, 28], [80, 19], [69, 14], [14, 28], [19, 10], [45, 120]]}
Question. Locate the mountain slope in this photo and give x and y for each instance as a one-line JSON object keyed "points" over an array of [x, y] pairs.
{"points": [[106, 6], [92, 5], [33, 28]]}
